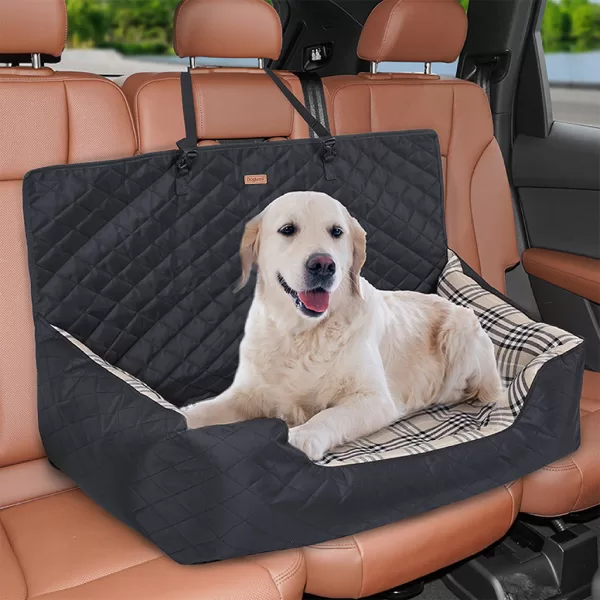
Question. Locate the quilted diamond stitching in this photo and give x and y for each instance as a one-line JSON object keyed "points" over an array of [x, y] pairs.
{"points": [[82, 253], [140, 465]]}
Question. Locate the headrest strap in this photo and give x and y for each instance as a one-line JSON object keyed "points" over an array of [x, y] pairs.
{"points": [[189, 144]]}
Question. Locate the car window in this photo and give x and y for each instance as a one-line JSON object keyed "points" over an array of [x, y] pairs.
{"points": [[122, 37], [571, 40]]}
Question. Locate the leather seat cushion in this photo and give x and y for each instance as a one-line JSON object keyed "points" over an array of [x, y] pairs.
{"points": [[64, 547], [229, 103], [573, 483], [477, 195], [383, 558]]}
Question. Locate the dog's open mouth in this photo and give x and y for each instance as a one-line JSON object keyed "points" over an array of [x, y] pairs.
{"points": [[312, 303]]}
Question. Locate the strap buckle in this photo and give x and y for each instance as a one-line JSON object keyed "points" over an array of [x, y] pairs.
{"points": [[185, 161], [330, 151]]}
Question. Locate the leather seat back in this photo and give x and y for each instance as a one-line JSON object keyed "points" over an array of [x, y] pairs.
{"points": [[46, 118], [479, 215], [231, 103]]}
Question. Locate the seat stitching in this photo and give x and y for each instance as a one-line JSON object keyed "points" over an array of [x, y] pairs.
{"points": [[580, 486], [488, 145], [50, 495], [198, 90], [272, 579], [53, 79], [513, 512], [370, 109], [421, 82], [362, 565], [333, 546], [15, 555], [176, 26], [137, 101], [45, 594], [560, 469], [288, 569], [68, 123], [292, 570], [66, 27], [289, 80], [567, 467], [450, 140]]}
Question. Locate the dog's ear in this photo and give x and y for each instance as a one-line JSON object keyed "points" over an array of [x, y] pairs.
{"points": [[359, 254], [249, 250]]}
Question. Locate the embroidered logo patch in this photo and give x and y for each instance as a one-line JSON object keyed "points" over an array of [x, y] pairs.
{"points": [[255, 179]]}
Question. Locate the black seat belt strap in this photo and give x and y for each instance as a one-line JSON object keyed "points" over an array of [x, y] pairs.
{"points": [[314, 97], [322, 132], [483, 78], [311, 121]]}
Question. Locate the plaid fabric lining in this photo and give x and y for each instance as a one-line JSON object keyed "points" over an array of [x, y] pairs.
{"points": [[522, 347]]}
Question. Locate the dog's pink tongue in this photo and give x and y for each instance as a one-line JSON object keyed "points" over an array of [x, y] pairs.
{"points": [[315, 300]]}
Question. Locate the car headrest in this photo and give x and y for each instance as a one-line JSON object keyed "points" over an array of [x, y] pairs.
{"points": [[33, 27], [227, 29], [414, 31]]}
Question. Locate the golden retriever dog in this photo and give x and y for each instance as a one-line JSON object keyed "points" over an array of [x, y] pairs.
{"points": [[328, 353]]}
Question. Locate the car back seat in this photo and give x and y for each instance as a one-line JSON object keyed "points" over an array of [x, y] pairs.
{"points": [[479, 216], [55, 543], [226, 108]]}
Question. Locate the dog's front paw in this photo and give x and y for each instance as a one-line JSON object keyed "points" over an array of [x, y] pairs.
{"points": [[308, 441]]}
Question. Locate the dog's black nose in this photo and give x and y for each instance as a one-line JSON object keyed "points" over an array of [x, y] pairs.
{"points": [[321, 265]]}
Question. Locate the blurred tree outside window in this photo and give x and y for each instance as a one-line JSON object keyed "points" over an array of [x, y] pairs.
{"points": [[571, 26], [129, 26], [146, 26]]}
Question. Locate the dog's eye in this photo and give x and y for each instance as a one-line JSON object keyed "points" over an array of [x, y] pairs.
{"points": [[288, 230], [336, 232]]}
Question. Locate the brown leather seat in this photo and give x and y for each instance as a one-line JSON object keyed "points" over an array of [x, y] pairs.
{"points": [[55, 543], [231, 103], [479, 216], [571, 484], [244, 103]]}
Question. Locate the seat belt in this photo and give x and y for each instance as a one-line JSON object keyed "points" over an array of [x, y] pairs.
{"points": [[483, 78], [188, 145], [314, 97], [481, 74]]}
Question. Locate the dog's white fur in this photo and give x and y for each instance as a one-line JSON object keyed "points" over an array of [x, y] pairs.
{"points": [[369, 360]]}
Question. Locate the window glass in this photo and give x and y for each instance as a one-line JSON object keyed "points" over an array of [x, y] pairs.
{"points": [[122, 37], [571, 39]]}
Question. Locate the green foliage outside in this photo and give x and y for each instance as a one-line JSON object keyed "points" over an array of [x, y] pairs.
{"points": [[130, 26], [146, 26], [571, 26]]}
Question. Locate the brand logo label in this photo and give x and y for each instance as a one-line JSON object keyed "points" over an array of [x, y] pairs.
{"points": [[255, 179]]}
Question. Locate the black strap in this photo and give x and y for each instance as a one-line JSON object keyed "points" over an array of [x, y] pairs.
{"points": [[189, 144], [481, 74], [314, 97], [483, 78], [190, 141], [311, 121]]}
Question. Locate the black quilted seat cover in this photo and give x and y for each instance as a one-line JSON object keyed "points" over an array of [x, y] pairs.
{"points": [[138, 262]]}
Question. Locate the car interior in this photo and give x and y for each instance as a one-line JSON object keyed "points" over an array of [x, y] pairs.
{"points": [[522, 208]]}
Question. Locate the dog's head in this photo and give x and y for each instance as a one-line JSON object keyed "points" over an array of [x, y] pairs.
{"points": [[309, 252]]}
